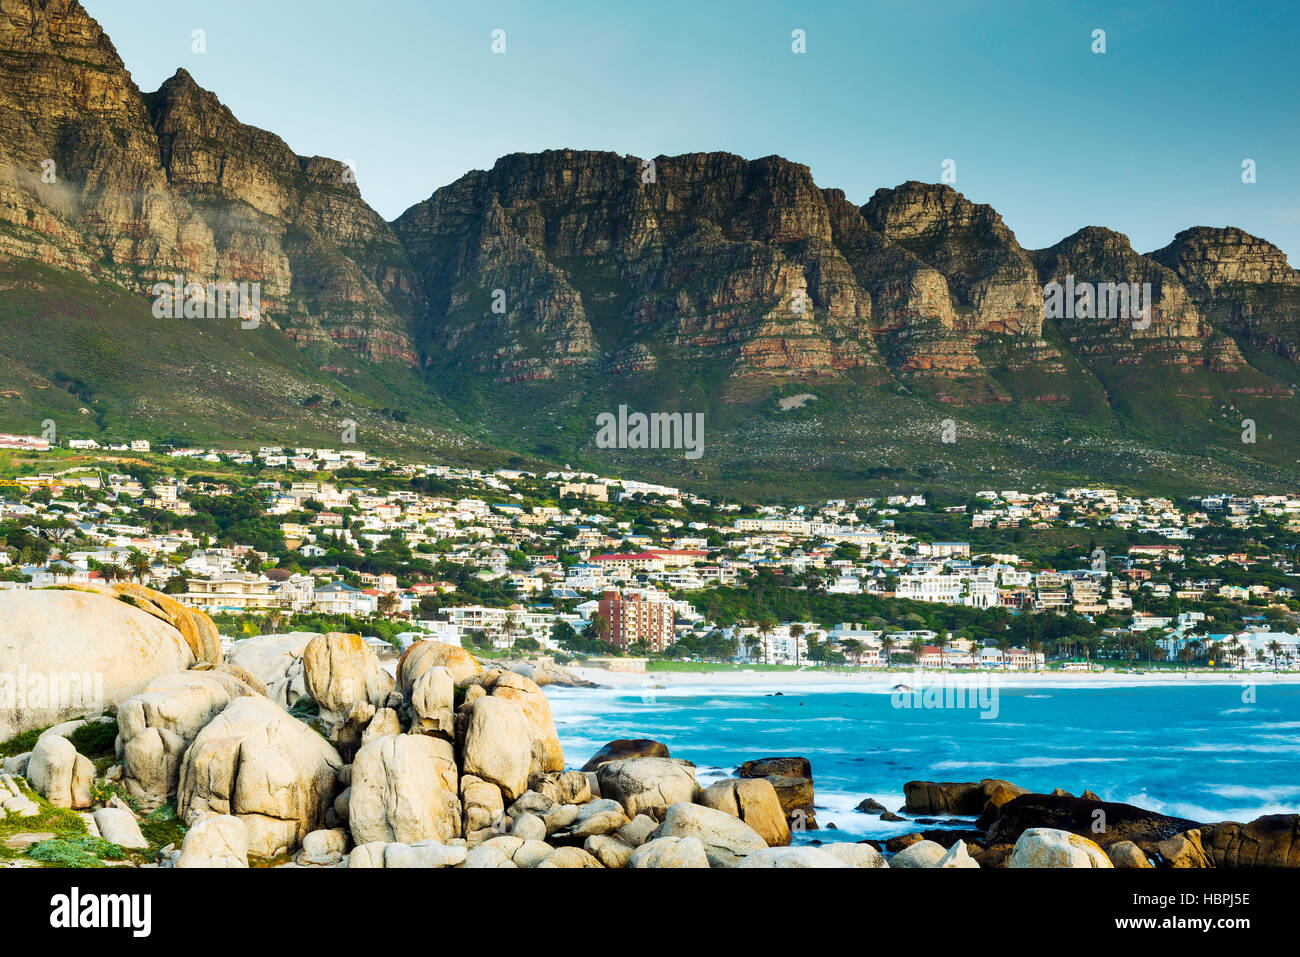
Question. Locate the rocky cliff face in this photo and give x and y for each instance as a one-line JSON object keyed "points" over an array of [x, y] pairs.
{"points": [[1240, 282], [592, 264], [135, 189], [1166, 329]]}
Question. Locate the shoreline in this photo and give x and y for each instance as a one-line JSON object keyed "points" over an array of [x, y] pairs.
{"points": [[884, 681]]}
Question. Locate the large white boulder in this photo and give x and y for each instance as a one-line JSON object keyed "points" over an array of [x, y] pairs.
{"points": [[348, 683], [59, 774], [218, 840], [792, 857], [404, 790], [257, 762], [65, 654], [156, 725], [643, 784], [423, 655], [277, 661], [1050, 847], [726, 839], [498, 745]]}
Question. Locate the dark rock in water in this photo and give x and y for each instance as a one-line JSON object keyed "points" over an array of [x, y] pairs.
{"points": [[870, 806], [878, 845], [1269, 841], [1099, 821], [891, 816], [944, 797], [789, 767], [905, 689], [957, 797], [778, 694], [998, 795], [832, 826], [927, 820], [625, 748], [896, 844], [956, 822]]}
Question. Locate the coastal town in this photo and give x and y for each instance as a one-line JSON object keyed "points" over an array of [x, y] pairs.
{"points": [[615, 573]]}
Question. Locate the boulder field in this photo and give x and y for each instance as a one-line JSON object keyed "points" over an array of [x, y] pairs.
{"points": [[301, 750]]}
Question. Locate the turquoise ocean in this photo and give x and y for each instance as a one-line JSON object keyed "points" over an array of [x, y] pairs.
{"points": [[1212, 752]]}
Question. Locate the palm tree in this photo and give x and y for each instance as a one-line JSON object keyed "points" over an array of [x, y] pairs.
{"points": [[388, 604], [796, 632], [1275, 649], [138, 563], [112, 572], [917, 645], [766, 625], [274, 620], [887, 648], [854, 647]]}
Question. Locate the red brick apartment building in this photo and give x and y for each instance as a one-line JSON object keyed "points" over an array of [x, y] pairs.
{"points": [[638, 616]]}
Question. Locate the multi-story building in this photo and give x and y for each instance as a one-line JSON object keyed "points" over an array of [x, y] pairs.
{"points": [[641, 615]]}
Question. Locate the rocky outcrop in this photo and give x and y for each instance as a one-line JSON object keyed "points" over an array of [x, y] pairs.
{"points": [[755, 802], [625, 748], [346, 680], [644, 784], [792, 780], [65, 653], [59, 774], [277, 661], [137, 188], [1269, 841], [1100, 821], [156, 726], [1052, 848], [423, 655], [404, 789], [266, 768], [1240, 283]]}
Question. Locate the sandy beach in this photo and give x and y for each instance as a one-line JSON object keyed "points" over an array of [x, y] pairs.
{"points": [[813, 679]]}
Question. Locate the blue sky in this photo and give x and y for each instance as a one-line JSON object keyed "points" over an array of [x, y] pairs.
{"points": [[1146, 138]]}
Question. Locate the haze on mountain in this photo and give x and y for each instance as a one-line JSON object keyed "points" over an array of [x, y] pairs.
{"points": [[495, 320]]}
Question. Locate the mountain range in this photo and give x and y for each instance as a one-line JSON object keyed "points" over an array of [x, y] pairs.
{"points": [[890, 344]]}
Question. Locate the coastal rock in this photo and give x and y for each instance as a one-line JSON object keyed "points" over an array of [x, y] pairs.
{"points": [[754, 801], [120, 827], [855, 855], [624, 749], [997, 793], [1269, 841], [570, 857], [384, 724], [158, 724], [257, 762], [870, 806], [642, 784], [598, 817], [995, 855], [793, 857], [498, 745], [1126, 854], [568, 787], [958, 856], [726, 838], [639, 830], [423, 655], [1050, 847], [544, 743], [610, 851], [794, 767], [346, 680], [791, 778], [423, 854], [59, 774], [277, 661], [943, 797], [324, 848], [485, 857], [433, 703], [481, 803], [918, 854], [1100, 821], [100, 650], [669, 852], [404, 790], [216, 840]]}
